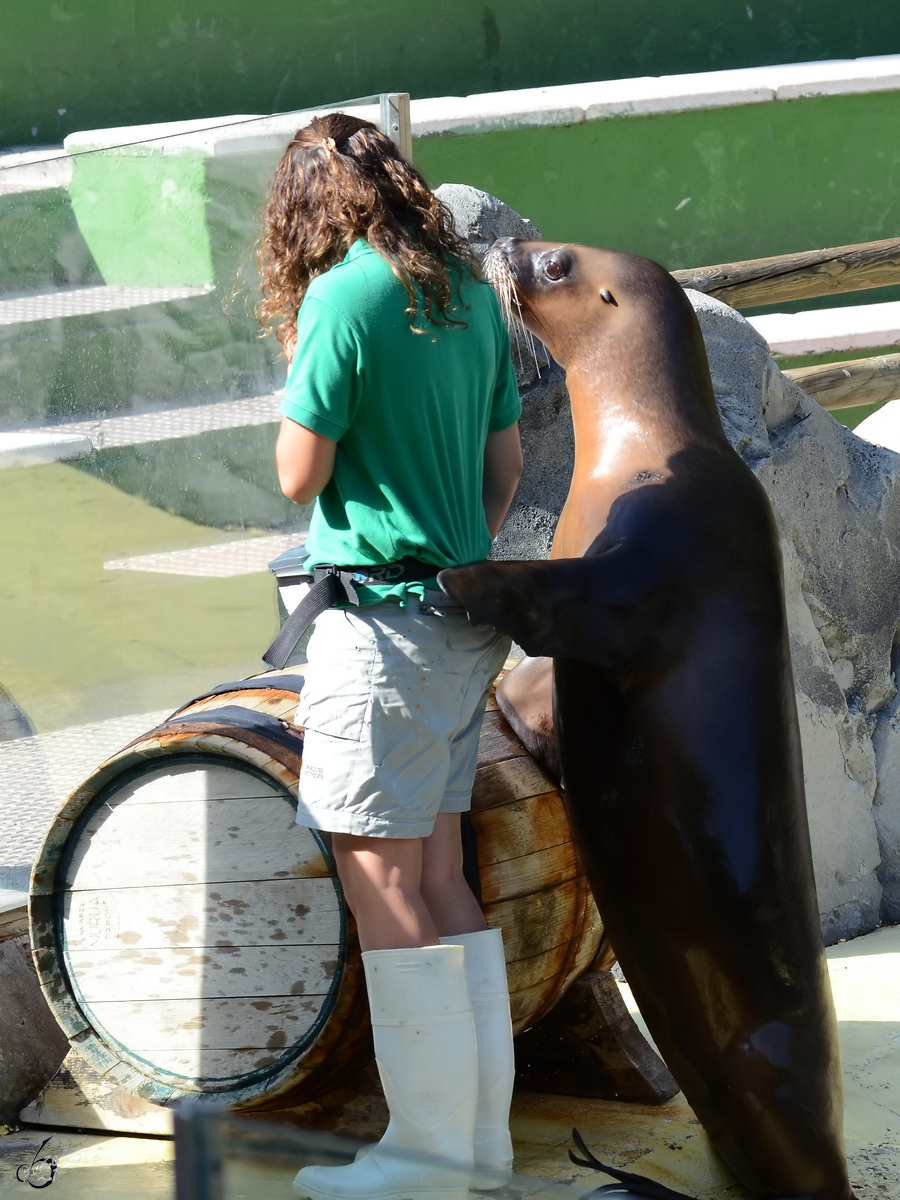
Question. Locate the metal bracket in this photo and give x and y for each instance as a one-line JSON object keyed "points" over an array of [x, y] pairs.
{"points": [[395, 121]]}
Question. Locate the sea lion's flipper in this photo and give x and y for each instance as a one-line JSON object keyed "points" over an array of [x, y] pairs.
{"points": [[577, 608], [629, 1183], [525, 697], [511, 596]]}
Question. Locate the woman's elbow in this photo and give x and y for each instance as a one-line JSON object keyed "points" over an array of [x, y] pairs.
{"points": [[304, 462], [296, 489], [518, 467]]}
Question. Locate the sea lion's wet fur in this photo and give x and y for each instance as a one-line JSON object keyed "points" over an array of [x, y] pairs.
{"points": [[663, 610], [525, 697]]}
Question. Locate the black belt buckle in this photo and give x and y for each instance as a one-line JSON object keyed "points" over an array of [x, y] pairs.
{"points": [[343, 579]]}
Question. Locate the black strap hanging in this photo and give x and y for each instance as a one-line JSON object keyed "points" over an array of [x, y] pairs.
{"points": [[335, 587]]}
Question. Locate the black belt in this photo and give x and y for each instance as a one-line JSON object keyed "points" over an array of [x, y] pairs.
{"points": [[333, 585]]}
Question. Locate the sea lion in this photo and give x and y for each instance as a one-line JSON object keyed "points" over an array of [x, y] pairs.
{"points": [[663, 610]]}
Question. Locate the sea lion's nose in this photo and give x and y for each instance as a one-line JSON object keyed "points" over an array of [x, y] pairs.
{"points": [[506, 243]]}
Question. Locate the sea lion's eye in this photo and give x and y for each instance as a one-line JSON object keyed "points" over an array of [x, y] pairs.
{"points": [[552, 269]]}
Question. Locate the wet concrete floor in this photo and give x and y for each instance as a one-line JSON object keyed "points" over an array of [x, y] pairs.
{"points": [[665, 1143]]}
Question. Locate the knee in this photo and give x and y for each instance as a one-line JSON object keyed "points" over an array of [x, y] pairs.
{"points": [[374, 871], [442, 879]]}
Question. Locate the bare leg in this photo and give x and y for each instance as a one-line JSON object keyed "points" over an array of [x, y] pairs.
{"points": [[407, 891], [381, 878], [446, 894]]}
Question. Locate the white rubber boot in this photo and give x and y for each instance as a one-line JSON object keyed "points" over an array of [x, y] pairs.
{"points": [[489, 993], [425, 1051]]}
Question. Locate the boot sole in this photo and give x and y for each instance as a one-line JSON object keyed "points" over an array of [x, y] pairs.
{"points": [[392, 1194]]}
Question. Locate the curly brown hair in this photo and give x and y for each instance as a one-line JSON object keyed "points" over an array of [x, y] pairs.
{"points": [[341, 179]]}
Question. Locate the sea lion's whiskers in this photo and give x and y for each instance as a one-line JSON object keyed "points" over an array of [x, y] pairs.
{"points": [[529, 334], [499, 276]]}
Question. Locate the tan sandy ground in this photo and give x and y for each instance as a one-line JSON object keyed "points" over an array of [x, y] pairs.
{"points": [[665, 1143]]}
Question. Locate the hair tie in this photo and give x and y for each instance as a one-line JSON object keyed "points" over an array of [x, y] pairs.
{"points": [[328, 143]]}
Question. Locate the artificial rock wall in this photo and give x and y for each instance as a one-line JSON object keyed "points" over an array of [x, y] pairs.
{"points": [[836, 499]]}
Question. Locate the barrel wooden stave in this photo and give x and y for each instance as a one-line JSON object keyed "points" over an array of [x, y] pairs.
{"points": [[154, 918]]}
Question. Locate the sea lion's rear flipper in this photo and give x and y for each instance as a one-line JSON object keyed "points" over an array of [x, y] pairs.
{"points": [[577, 608], [525, 697], [629, 1184]]}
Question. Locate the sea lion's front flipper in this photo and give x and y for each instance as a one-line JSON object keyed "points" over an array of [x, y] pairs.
{"points": [[581, 608], [525, 697]]}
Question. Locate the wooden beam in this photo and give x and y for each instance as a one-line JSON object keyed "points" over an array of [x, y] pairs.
{"points": [[785, 277], [851, 383]]}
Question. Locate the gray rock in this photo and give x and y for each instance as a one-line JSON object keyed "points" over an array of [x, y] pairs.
{"points": [[837, 503], [886, 809], [482, 218]]}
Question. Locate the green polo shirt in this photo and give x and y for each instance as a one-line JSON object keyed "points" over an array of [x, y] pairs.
{"points": [[410, 413]]}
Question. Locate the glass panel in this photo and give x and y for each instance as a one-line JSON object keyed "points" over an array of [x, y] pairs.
{"points": [[219, 1156], [138, 493]]}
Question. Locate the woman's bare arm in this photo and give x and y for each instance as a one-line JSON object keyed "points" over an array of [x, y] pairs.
{"points": [[304, 461], [502, 470]]}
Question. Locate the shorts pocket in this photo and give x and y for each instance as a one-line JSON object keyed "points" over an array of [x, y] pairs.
{"points": [[337, 692]]}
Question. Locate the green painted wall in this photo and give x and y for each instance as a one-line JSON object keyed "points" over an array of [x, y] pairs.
{"points": [[67, 65], [762, 179], [151, 200], [687, 189]]}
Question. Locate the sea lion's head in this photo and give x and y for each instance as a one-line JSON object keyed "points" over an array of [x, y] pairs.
{"points": [[572, 296]]}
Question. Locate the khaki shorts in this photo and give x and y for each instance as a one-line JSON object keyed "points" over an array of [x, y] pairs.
{"points": [[393, 706]]}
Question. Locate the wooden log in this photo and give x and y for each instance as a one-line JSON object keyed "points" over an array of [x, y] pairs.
{"points": [[851, 383], [801, 276], [32, 1045], [590, 1046], [192, 939]]}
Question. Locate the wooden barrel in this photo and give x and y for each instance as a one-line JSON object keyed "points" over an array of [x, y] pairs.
{"points": [[532, 882], [192, 939]]}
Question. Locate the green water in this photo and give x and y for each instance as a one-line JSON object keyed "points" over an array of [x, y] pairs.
{"points": [[83, 644]]}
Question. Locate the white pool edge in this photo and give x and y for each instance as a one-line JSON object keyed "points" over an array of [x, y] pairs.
{"points": [[525, 108]]}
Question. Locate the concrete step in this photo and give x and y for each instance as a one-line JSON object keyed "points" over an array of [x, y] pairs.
{"points": [[109, 348], [211, 463], [244, 557], [24, 308], [76, 439]]}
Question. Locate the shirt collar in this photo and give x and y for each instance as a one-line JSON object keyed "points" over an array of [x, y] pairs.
{"points": [[359, 247]]}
